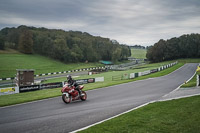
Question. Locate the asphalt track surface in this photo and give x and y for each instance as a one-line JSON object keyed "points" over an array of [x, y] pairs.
{"points": [[54, 116]]}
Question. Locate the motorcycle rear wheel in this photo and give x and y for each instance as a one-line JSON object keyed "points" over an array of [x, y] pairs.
{"points": [[84, 97], [66, 99]]}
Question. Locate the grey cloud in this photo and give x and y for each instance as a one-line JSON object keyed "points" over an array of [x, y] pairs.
{"points": [[128, 21]]}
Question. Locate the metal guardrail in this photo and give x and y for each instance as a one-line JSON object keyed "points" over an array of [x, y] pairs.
{"points": [[54, 73], [134, 75]]}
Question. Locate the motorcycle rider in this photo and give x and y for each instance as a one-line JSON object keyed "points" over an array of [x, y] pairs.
{"points": [[72, 82]]}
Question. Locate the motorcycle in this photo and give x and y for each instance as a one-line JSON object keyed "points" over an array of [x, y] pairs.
{"points": [[69, 93]]}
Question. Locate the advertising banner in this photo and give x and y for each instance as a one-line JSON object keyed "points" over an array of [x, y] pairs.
{"points": [[10, 89], [81, 81], [29, 88], [85, 81], [91, 80], [99, 79], [51, 85]]}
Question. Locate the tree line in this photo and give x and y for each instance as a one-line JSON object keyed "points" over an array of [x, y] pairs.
{"points": [[66, 46], [137, 47], [185, 46]]}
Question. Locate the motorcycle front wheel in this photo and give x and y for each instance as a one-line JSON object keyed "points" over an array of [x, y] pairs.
{"points": [[83, 96], [66, 99]]}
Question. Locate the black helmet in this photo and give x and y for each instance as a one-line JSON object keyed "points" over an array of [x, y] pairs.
{"points": [[69, 77]]}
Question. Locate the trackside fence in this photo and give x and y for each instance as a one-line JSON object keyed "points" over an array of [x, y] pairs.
{"points": [[135, 75], [54, 73]]}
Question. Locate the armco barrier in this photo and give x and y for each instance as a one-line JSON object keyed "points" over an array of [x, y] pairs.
{"points": [[63, 72], [153, 70], [134, 75]]}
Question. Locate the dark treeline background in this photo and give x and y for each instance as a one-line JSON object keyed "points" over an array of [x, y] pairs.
{"points": [[66, 46], [186, 46], [137, 47]]}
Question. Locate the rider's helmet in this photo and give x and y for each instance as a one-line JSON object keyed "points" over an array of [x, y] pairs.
{"points": [[69, 77]]}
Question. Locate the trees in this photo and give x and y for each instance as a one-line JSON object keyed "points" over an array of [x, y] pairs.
{"points": [[25, 42], [186, 46], [2, 42], [71, 46]]}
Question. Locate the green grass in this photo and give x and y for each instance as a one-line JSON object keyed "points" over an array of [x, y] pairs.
{"points": [[6, 100], [192, 82], [41, 64], [175, 116], [138, 53]]}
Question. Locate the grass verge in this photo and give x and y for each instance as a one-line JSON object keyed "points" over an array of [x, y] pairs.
{"points": [[175, 116], [192, 82], [41, 64], [6, 100]]}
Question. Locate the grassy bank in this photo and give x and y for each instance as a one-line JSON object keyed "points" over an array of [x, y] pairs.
{"points": [[138, 53], [176, 116], [41, 64], [192, 82]]}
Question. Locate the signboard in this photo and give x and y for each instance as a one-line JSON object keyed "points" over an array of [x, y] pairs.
{"points": [[81, 81], [92, 80], [198, 69], [51, 85], [29, 88], [125, 76], [99, 79], [11, 89], [85, 81], [132, 75]]}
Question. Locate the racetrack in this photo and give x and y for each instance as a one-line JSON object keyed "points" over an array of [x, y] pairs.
{"points": [[53, 115]]}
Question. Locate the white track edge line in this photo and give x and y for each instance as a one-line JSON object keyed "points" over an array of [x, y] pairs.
{"points": [[168, 99], [140, 106], [111, 117]]}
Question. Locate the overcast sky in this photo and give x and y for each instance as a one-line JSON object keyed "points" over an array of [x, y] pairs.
{"points": [[129, 22]]}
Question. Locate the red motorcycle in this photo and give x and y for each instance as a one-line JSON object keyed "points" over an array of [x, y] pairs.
{"points": [[69, 93]]}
